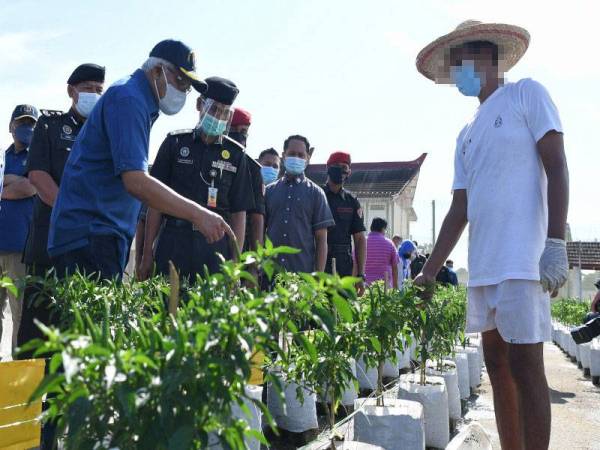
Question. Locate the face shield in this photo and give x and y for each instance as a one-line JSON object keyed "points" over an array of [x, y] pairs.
{"points": [[215, 117]]}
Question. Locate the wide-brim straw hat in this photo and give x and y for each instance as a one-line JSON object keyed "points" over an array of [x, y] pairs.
{"points": [[512, 41]]}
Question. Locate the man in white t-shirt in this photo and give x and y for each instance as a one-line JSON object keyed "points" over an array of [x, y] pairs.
{"points": [[511, 186]]}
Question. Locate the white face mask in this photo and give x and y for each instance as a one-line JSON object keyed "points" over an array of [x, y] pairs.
{"points": [[86, 102], [173, 100]]}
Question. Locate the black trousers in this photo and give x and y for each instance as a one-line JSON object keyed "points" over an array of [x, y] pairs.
{"points": [[189, 252], [36, 305], [104, 256], [343, 262]]}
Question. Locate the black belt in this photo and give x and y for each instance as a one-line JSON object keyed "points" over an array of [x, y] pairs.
{"points": [[179, 223]]}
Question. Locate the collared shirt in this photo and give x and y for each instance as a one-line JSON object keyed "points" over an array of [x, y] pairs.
{"points": [[192, 168], [53, 139], [347, 214], [92, 199], [296, 208], [498, 164], [381, 256], [15, 215]]}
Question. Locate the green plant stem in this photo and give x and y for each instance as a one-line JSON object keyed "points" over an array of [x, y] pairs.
{"points": [[380, 401]]}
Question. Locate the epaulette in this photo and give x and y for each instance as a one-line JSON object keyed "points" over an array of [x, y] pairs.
{"points": [[182, 131], [232, 143], [252, 161], [51, 112]]}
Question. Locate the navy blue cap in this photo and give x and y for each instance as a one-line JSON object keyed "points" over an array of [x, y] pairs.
{"points": [[182, 57], [221, 90], [87, 72], [21, 111]]}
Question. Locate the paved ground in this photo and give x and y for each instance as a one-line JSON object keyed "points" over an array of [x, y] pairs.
{"points": [[575, 405]]}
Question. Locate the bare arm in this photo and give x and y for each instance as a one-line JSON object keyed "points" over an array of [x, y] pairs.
{"points": [[140, 231], [152, 227], [161, 197], [360, 248], [17, 188], [238, 225], [450, 233], [321, 248], [257, 230], [552, 152], [395, 276], [46, 187]]}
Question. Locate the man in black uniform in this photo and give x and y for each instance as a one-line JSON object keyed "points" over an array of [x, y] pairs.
{"points": [[206, 166], [255, 220], [348, 217], [53, 138]]}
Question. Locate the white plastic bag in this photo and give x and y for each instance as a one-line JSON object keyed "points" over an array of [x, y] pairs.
{"points": [[434, 398], [366, 376], [293, 415], [462, 368], [450, 376], [399, 425], [473, 437]]}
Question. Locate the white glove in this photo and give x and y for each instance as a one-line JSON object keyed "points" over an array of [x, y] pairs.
{"points": [[554, 265]]}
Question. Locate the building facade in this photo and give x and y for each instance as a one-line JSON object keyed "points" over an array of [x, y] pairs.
{"points": [[384, 189]]}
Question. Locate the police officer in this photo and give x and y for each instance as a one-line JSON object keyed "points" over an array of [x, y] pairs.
{"points": [[206, 166], [52, 141], [348, 217]]}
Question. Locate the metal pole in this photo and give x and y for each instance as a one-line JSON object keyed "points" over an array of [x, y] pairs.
{"points": [[580, 275], [433, 221]]}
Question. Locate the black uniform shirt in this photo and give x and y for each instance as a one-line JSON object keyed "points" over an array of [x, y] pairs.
{"points": [[190, 167], [347, 214], [257, 186], [53, 138]]}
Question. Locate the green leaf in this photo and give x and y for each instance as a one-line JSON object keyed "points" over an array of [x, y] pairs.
{"points": [[182, 438], [343, 308]]}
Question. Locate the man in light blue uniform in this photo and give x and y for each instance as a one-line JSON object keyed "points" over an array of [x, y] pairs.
{"points": [[106, 176]]}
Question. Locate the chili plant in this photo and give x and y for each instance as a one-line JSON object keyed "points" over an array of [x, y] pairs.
{"points": [[125, 373], [383, 326]]}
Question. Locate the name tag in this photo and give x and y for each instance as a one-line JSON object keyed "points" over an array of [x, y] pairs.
{"points": [[185, 161], [224, 165]]}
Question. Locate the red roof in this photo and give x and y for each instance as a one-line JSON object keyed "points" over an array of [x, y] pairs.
{"points": [[590, 255], [373, 179]]}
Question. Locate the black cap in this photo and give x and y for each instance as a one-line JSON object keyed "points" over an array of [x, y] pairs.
{"points": [[221, 90], [25, 111], [87, 72], [182, 57]]}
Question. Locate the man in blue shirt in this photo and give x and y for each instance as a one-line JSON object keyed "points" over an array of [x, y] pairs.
{"points": [[106, 176], [17, 207]]}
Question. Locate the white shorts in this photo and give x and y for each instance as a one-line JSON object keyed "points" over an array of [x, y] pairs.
{"points": [[519, 309]]}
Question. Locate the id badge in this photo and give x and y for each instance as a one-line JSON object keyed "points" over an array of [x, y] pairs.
{"points": [[212, 197]]}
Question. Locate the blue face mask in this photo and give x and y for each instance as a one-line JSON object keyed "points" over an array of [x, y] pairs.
{"points": [[269, 174], [294, 165], [24, 133], [211, 126], [466, 79]]}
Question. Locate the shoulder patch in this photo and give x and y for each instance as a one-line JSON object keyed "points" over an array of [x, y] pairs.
{"points": [[182, 131]]}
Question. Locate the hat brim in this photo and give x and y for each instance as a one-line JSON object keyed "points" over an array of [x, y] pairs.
{"points": [[199, 84], [22, 116], [512, 41]]}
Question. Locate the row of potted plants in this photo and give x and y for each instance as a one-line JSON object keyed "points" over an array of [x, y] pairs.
{"points": [[159, 365], [569, 313]]}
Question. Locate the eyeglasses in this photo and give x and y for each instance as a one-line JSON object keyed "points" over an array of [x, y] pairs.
{"points": [[182, 83]]}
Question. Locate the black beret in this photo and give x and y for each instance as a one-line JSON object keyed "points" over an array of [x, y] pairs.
{"points": [[87, 72], [221, 90]]}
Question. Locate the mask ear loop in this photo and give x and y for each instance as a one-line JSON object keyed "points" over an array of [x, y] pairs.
{"points": [[162, 68]]}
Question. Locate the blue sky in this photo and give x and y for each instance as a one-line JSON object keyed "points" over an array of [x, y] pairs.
{"points": [[340, 72]]}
